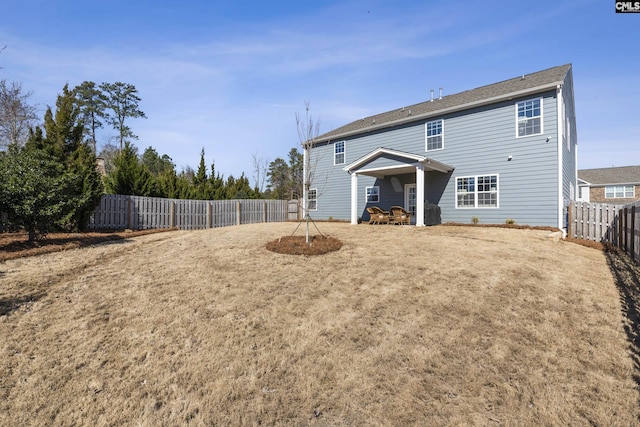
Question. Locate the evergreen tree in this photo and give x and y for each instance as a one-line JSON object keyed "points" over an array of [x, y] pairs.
{"points": [[92, 107], [296, 163], [129, 177], [34, 190], [200, 181], [62, 142], [87, 189], [239, 188], [64, 130], [122, 99], [216, 184], [157, 165], [278, 178]]}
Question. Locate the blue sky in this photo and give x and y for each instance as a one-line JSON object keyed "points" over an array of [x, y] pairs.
{"points": [[230, 76]]}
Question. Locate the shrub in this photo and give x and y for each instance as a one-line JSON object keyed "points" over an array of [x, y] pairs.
{"points": [[510, 221], [475, 219], [34, 190]]}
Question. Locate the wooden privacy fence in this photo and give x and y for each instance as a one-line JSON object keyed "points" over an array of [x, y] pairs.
{"points": [[625, 234], [117, 212], [616, 224], [591, 221]]}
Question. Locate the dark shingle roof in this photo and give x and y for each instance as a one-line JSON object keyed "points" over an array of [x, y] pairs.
{"points": [[603, 176], [521, 85]]}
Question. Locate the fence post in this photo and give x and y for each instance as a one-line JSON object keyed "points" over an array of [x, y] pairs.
{"points": [[129, 203], [632, 241], [264, 211], [571, 222], [172, 214], [625, 228], [209, 215], [619, 240], [238, 214]]}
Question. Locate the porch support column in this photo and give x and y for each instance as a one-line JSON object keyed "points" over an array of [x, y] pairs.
{"points": [[419, 195], [354, 198]]}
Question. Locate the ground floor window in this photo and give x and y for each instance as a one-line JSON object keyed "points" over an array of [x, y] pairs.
{"points": [[373, 194], [312, 199], [619, 191], [477, 191]]}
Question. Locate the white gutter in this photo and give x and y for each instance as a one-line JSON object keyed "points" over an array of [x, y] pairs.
{"points": [[559, 126]]}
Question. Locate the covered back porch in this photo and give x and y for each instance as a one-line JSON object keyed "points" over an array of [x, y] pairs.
{"points": [[385, 163]]}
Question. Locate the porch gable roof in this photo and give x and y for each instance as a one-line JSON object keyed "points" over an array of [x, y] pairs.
{"points": [[407, 164]]}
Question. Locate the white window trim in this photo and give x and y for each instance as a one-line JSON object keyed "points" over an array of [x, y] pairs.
{"points": [[624, 196], [475, 205], [426, 136], [541, 117], [344, 152], [366, 191], [315, 191]]}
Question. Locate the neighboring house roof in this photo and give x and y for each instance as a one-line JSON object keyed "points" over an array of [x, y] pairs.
{"points": [[519, 86], [604, 176]]}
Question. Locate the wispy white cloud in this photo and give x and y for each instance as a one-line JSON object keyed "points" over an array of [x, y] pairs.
{"points": [[236, 91]]}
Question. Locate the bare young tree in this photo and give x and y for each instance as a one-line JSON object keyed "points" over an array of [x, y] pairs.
{"points": [[308, 131], [260, 168], [17, 115]]}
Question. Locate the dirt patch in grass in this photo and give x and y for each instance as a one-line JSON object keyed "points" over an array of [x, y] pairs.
{"points": [[586, 243], [297, 245], [17, 245], [401, 326]]}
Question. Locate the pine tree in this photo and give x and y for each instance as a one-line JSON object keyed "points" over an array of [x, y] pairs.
{"points": [[122, 99], [92, 102]]}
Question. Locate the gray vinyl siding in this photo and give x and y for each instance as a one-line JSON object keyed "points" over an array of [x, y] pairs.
{"points": [[479, 142], [476, 142], [333, 184]]}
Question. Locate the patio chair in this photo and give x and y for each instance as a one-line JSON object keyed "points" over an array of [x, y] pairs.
{"points": [[400, 216], [377, 215]]}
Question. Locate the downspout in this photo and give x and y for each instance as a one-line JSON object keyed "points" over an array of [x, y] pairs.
{"points": [[559, 125], [305, 156]]}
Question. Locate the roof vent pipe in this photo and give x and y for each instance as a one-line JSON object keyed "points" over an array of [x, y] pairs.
{"points": [[440, 93], [431, 95]]}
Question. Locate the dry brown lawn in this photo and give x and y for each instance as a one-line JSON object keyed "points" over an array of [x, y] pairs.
{"points": [[442, 326]]}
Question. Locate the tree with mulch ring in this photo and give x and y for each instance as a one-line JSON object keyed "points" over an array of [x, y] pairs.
{"points": [[297, 245]]}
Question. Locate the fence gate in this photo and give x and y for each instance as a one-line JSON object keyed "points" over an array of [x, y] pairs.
{"points": [[616, 224], [592, 221], [293, 210]]}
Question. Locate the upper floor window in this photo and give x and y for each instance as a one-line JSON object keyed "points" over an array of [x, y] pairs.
{"points": [[477, 191], [338, 153], [529, 117], [434, 135], [620, 191]]}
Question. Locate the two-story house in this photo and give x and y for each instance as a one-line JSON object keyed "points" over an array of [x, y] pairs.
{"points": [[616, 185], [503, 151]]}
